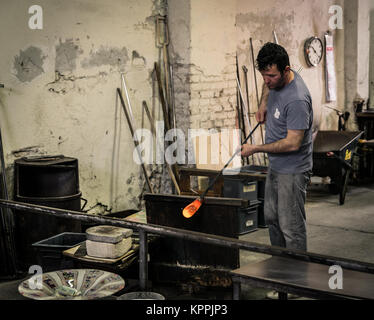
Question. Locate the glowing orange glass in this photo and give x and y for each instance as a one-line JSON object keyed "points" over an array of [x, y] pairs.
{"points": [[191, 209]]}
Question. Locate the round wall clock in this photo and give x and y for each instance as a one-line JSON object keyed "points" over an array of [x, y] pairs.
{"points": [[313, 51]]}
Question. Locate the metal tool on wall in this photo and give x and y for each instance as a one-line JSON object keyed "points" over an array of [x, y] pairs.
{"points": [[193, 207], [172, 169], [130, 121], [153, 129], [145, 107], [343, 118], [7, 221], [241, 124], [162, 41], [257, 97], [245, 71], [275, 37], [164, 103], [246, 113]]}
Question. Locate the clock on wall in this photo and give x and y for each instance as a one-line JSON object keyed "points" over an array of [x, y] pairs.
{"points": [[313, 51]]}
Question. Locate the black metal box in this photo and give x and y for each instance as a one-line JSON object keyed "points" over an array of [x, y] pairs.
{"points": [[219, 216]]}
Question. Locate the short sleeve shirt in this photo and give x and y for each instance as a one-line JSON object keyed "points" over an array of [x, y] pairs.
{"points": [[290, 108]]}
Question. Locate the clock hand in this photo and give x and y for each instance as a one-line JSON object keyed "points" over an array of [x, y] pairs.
{"points": [[314, 50]]}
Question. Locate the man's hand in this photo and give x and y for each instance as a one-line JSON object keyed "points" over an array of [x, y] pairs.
{"points": [[261, 115], [248, 150]]}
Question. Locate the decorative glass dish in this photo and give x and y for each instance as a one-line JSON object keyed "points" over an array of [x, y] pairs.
{"points": [[71, 284]]}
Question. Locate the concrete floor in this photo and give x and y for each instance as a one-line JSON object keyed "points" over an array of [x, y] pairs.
{"points": [[343, 231]]}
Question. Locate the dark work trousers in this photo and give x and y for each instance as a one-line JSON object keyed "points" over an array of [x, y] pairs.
{"points": [[284, 209]]}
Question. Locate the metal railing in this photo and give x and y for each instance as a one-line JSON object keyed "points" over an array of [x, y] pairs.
{"points": [[145, 228]]}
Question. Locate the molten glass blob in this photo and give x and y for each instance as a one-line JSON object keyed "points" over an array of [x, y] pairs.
{"points": [[191, 209]]}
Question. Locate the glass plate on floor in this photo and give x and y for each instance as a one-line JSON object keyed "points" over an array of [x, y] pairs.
{"points": [[71, 284]]}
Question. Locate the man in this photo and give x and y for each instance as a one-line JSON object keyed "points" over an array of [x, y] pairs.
{"points": [[288, 141]]}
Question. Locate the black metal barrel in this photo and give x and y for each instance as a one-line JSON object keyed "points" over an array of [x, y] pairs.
{"points": [[51, 181]]}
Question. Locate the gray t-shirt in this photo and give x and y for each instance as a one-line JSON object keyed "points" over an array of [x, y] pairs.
{"points": [[290, 108]]}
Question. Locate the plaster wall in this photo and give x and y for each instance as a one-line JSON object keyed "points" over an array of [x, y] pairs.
{"points": [[371, 57], [60, 89]]}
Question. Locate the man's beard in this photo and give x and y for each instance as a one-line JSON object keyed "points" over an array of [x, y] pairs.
{"points": [[281, 82]]}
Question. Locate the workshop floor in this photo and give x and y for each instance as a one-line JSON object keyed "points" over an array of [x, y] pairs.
{"points": [[343, 231]]}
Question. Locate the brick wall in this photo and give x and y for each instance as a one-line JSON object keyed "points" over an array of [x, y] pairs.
{"points": [[213, 97]]}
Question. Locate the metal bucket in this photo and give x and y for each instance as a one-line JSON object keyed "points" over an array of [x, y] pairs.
{"points": [[141, 296], [47, 176]]}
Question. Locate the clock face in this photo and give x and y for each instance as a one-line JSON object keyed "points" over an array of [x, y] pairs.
{"points": [[313, 51]]}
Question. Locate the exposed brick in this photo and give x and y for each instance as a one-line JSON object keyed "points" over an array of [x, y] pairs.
{"points": [[195, 95], [216, 108], [229, 123], [229, 92], [207, 94], [230, 77], [207, 124], [218, 123], [196, 78]]}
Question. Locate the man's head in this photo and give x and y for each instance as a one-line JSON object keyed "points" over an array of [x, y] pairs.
{"points": [[274, 64]]}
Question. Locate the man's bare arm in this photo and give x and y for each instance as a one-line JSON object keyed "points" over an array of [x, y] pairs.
{"points": [[291, 143]]}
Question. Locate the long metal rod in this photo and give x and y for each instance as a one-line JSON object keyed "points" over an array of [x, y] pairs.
{"points": [[143, 259], [163, 101], [257, 97], [275, 37], [246, 112], [136, 141], [172, 169], [227, 163], [194, 236], [7, 218], [244, 127], [245, 70]]}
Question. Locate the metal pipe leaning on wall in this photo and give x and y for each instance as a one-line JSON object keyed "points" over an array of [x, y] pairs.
{"points": [[7, 246], [136, 141], [257, 97], [194, 236]]}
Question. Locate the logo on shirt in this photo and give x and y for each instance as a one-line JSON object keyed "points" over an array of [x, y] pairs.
{"points": [[276, 114]]}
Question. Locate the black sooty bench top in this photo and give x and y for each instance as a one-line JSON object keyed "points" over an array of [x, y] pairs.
{"points": [[306, 279]]}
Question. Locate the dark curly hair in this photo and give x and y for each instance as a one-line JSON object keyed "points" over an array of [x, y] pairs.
{"points": [[272, 53]]}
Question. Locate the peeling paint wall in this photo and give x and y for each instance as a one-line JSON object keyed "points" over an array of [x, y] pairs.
{"points": [[60, 89], [371, 56]]}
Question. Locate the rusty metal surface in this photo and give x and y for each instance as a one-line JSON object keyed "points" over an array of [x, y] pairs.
{"points": [[334, 140], [310, 278], [194, 236]]}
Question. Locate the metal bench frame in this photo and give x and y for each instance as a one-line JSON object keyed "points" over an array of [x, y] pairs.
{"points": [[145, 228]]}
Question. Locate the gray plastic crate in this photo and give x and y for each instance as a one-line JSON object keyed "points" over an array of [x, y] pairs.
{"points": [[50, 251], [234, 187]]}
